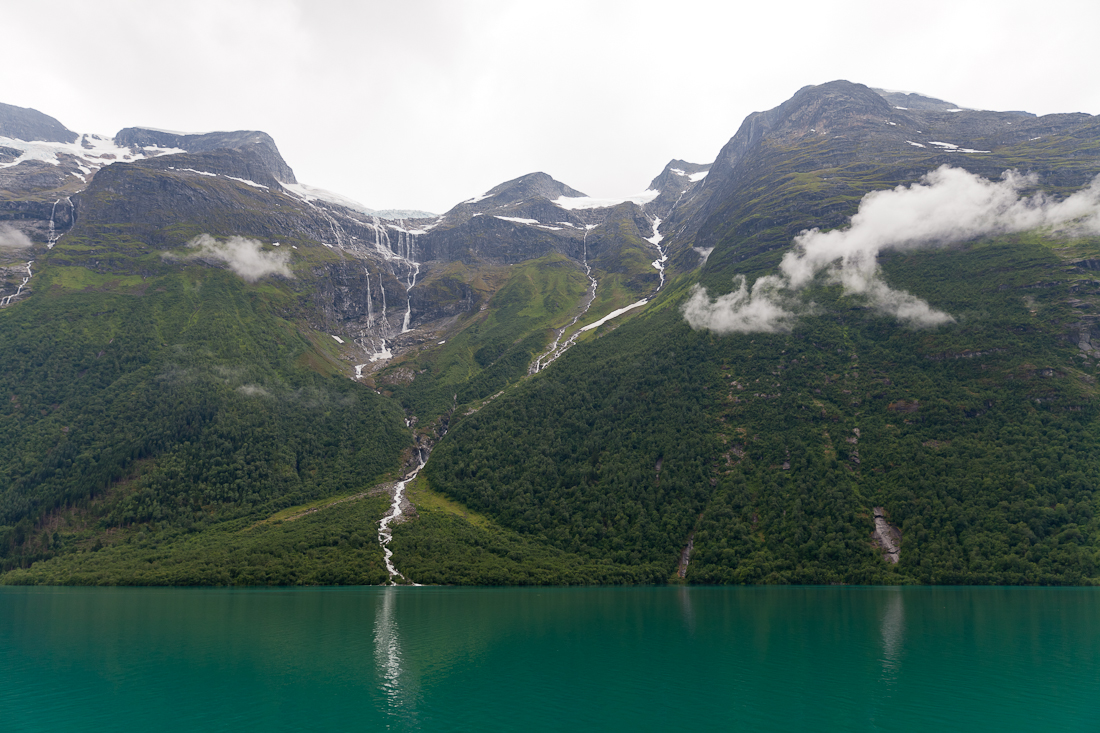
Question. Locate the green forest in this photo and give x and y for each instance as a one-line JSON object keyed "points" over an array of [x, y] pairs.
{"points": [[144, 422]]}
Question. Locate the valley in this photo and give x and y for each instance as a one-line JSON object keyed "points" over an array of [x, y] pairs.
{"points": [[852, 349]]}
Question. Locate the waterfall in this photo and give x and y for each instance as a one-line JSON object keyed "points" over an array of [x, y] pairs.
{"points": [[659, 263], [413, 272], [385, 534], [6, 300], [555, 351], [370, 305]]}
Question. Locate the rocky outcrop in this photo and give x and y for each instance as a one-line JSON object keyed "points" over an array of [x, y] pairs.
{"points": [[488, 239], [530, 186], [23, 123], [674, 185], [147, 200], [887, 537], [259, 144], [685, 557], [244, 164]]}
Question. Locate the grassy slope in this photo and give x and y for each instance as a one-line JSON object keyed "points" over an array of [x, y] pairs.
{"points": [[496, 346]]}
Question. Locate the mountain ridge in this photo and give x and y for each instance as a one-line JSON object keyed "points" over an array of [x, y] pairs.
{"points": [[534, 342]]}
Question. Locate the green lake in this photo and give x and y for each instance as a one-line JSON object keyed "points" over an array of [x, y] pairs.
{"points": [[487, 659]]}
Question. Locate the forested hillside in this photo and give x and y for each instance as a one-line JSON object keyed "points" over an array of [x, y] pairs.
{"points": [[859, 347]]}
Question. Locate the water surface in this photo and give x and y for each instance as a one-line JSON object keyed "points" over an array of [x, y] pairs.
{"points": [[844, 659]]}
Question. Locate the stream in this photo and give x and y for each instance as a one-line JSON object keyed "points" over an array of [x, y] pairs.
{"points": [[6, 300], [385, 533], [557, 348]]}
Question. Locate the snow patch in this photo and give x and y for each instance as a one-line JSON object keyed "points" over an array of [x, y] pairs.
{"points": [[614, 314], [250, 183], [338, 339], [955, 148], [696, 177], [919, 145], [517, 219], [312, 193], [588, 202]]}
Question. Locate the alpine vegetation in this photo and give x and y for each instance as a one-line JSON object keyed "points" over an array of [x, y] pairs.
{"points": [[946, 206], [244, 256]]}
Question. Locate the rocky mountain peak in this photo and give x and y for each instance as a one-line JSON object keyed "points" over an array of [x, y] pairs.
{"points": [[23, 123], [530, 186], [260, 144], [914, 101]]}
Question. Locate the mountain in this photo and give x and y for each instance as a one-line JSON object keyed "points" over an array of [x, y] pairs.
{"points": [[855, 347], [30, 124]]}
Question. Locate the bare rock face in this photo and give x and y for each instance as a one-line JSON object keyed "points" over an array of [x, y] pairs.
{"points": [[887, 537], [259, 144], [23, 123]]}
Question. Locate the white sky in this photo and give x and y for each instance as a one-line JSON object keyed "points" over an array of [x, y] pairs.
{"points": [[423, 104]]}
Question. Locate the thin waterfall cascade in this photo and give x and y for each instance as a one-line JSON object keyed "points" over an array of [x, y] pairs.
{"points": [[381, 237], [382, 287], [400, 246], [659, 263], [557, 349], [413, 272], [52, 235], [370, 304], [6, 300]]}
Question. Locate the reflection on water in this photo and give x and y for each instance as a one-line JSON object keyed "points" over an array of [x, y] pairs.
{"points": [[549, 659], [398, 686], [893, 635], [686, 610]]}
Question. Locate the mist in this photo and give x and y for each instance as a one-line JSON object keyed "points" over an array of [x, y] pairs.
{"points": [[12, 238], [946, 206], [244, 256]]}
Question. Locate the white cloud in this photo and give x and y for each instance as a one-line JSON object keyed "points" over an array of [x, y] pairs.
{"points": [[947, 205], [244, 256], [12, 238]]}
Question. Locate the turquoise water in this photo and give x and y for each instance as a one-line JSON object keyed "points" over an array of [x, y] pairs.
{"points": [[753, 659]]}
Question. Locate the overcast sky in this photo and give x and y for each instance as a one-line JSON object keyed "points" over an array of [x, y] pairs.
{"points": [[423, 104]]}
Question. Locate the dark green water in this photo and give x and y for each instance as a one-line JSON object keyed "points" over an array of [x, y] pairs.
{"points": [[753, 659]]}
